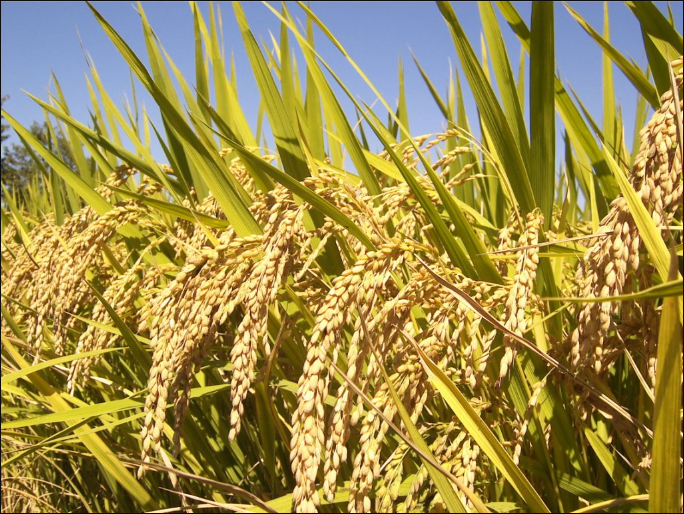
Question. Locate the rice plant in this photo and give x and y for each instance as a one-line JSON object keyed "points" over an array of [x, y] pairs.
{"points": [[447, 324]]}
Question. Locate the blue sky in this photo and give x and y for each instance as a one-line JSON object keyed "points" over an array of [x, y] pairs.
{"points": [[41, 37]]}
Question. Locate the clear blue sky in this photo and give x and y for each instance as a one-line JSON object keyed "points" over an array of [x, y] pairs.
{"points": [[40, 37]]}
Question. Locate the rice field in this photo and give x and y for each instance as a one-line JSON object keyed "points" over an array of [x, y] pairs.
{"points": [[451, 324]]}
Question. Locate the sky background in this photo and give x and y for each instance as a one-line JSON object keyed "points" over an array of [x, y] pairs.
{"points": [[43, 37]]}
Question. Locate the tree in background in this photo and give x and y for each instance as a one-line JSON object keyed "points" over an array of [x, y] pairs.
{"points": [[19, 166]]}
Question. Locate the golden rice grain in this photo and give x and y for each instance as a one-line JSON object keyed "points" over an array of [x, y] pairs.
{"points": [[525, 273], [657, 178]]}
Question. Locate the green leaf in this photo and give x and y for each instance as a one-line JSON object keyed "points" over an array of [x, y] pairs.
{"points": [[313, 107], [666, 42], [16, 214], [99, 124], [79, 413], [140, 147], [610, 128], [631, 71], [226, 93], [542, 109], [502, 137], [345, 132], [665, 290], [580, 134], [402, 108], [99, 204], [443, 485], [137, 351], [11, 322], [75, 146], [284, 503], [104, 455], [474, 245], [175, 210], [163, 80], [454, 250], [580, 488], [433, 91], [4, 221], [16, 375], [111, 329], [611, 464], [293, 185], [201, 71], [222, 184], [503, 72], [665, 486], [69, 414], [617, 502], [99, 139], [639, 122], [479, 431], [285, 136], [288, 78]]}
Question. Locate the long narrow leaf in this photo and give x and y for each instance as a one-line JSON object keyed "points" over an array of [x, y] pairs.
{"points": [[542, 109], [667, 442], [492, 114], [479, 431]]}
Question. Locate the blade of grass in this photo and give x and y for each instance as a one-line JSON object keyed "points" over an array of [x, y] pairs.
{"points": [[631, 71], [137, 351], [20, 373], [17, 216], [345, 131], [578, 487], [175, 210], [445, 489], [104, 455], [455, 251], [581, 136], [112, 148], [222, 184], [611, 464], [293, 185], [99, 204], [142, 150], [503, 72], [433, 91], [402, 108], [662, 41], [87, 411], [226, 95], [313, 107], [616, 502], [282, 126], [479, 430], [665, 486], [477, 308], [75, 146], [499, 129], [664, 290], [542, 109], [163, 80], [609, 123]]}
